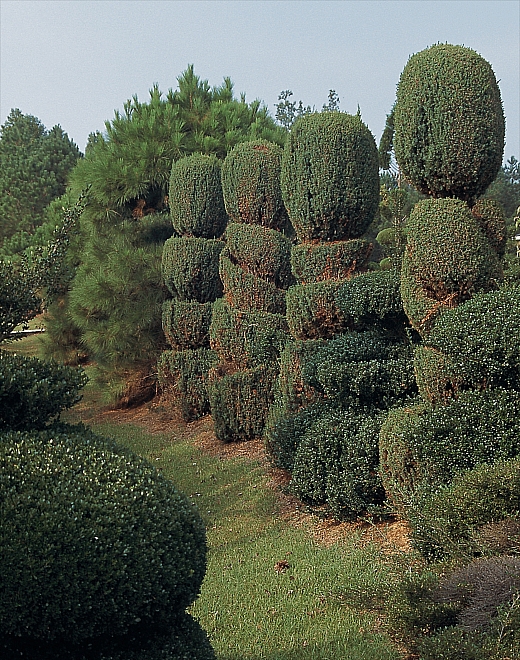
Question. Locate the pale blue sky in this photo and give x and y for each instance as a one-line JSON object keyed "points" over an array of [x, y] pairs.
{"points": [[74, 62]]}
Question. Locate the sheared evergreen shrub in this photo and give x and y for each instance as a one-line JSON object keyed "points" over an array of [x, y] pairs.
{"points": [[330, 176], [370, 298], [336, 463], [190, 268], [248, 292], [312, 312], [474, 346], [318, 262], [251, 184], [449, 122], [478, 513], [33, 392], [183, 378], [93, 540], [246, 339], [195, 197], [491, 218], [423, 447], [240, 401], [447, 259], [186, 323], [262, 252]]}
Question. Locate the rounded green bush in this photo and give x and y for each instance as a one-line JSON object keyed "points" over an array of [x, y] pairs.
{"points": [[422, 447], [447, 257], [251, 184], [196, 200], [190, 268], [330, 176], [262, 252], [93, 540], [449, 123], [320, 262], [34, 392], [186, 323]]}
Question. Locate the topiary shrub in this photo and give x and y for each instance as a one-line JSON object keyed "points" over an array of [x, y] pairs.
{"points": [[196, 201], [94, 542], [251, 184], [240, 401], [318, 262], [477, 513], [449, 123], [262, 252], [248, 292], [336, 462], [183, 377], [33, 392], [422, 447], [330, 176], [447, 258], [190, 268], [491, 219], [312, 312], [186, 323], [246, 339]]}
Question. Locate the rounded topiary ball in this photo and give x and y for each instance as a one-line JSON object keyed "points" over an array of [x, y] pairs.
{"points": [[93, 540], [330, 176], [195, 198], [449, 122], [251, 184]]}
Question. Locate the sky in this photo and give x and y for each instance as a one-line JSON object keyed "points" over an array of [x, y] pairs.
{"points": [[75, 62]]}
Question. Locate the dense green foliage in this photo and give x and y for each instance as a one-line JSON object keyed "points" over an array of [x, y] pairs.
{"points": [[69, 544], [251, 184], [330, 176], [490, 216], [186, 323], [317, 262], [34, 167], [312, 312], [33, 392], [195, 197], [449, 122]]}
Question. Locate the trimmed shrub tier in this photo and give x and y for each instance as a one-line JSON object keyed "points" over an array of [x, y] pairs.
{"points": [[190, 268], [491, 219], [93, 540], [186, 324], [312, 312], [196, 201], [330, 176], [320, 262], [449, 122]]}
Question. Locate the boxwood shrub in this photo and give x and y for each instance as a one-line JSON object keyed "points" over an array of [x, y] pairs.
{"points": [[93, 540], [34, 392], [318, 262], [186, 323]]}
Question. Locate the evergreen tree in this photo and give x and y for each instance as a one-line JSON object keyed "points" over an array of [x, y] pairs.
{"points": [[34, 165]]}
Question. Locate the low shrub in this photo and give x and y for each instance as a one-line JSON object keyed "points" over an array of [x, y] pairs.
{"points": [[190, 268], [93, 540], [186, 323], [312, 312], [33, 392], [320, 262], [183, 380]]}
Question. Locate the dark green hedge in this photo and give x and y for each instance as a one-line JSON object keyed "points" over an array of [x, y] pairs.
{"points": [[491, 219], [312, 312], [251, 184], [33, 392], [93, 540], [246, 339], [260, 251], [424, 447], [248, 292], [449, 122], [186, 324], [190, 268], [330, 176], [478, 513], [336, 464], [196, 201], [240, 401], [447, 256], [318, 262], [183, 377], [474, 346]]}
